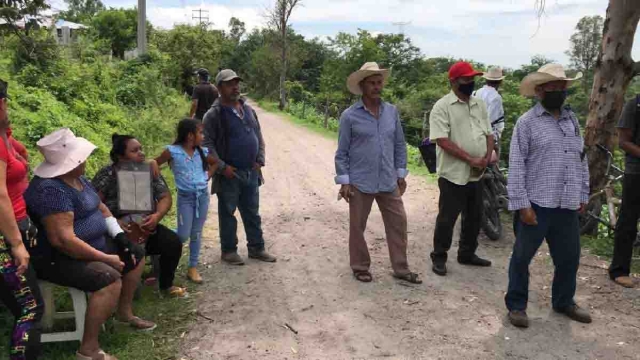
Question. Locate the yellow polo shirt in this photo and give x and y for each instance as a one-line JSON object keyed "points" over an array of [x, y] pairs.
{"points": [[467, 125]]}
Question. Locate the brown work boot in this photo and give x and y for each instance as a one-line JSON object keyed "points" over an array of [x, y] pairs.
{"points": [[625, 281], [574, 312], [194, 276], [519, 318], [232, 258], [262, 255]]}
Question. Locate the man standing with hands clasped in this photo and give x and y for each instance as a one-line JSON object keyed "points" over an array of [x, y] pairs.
{"points": [[459, 125], [548, 185], [371, 164]]}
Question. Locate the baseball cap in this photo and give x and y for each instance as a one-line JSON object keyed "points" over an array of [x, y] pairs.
{"points": [[3, 89], [226, 75], [462, 69]]}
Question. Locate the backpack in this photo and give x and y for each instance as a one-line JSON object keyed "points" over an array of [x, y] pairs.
{"points": [[428, 152]]}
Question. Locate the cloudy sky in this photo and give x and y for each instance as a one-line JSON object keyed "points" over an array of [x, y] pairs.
{"points": [[499, 32]]}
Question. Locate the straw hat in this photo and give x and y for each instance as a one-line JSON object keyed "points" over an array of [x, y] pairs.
{"points": [[368, 69], [494, 74], [547, 73], [63, 152]]}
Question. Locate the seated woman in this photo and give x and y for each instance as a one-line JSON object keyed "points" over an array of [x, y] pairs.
{"points": [[159, 240], [80, 243]]}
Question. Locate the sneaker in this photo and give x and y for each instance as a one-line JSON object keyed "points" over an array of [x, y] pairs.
{"points": [[625, 281], [194, 276], [439, 268], [519, 318], [475, 260], [262, 256], [574, 312], [232, 258]]}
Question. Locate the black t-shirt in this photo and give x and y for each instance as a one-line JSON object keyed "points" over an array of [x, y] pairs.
{"points": [[206, 94], [628, 120]]}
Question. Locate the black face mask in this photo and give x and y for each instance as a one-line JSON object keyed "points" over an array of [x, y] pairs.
{"points": [[553, 100], [467, 89]]}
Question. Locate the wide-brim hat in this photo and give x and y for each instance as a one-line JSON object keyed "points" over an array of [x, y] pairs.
{"points": [[494, 74], [547, 73], [368, 69], [63, 152]]}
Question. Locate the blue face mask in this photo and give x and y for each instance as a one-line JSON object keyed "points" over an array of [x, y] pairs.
{"points": [[467, 89]]}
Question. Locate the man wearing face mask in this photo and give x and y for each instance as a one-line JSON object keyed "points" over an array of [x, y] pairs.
{"points": [[548, 186], [459, 125]]}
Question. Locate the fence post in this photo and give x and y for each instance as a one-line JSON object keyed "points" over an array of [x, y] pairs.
{"points": [[326, 115]]}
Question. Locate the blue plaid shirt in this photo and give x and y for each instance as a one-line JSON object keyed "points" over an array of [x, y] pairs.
{"points": [[546, 166]]}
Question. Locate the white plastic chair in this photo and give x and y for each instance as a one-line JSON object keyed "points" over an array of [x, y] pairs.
{"points": [[79, 299]]}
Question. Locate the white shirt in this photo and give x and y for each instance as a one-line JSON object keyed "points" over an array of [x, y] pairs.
{"points": [[493, 100]]}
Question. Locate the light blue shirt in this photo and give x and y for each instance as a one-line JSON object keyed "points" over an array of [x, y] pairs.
{"points": [[187, 170], [372, 153]]}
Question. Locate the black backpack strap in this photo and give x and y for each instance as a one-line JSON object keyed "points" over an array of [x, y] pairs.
{"points": [[636, 129]]}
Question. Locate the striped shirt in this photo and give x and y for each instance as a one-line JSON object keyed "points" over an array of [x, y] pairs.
{"points": [[546, 166]]}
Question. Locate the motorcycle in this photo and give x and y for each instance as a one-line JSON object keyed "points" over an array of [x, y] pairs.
{"points": [[495, 198]]}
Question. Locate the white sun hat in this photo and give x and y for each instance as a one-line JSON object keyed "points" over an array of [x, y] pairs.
{"points": [[368, 69], [63, 152], [494, 74], [547, 73]]}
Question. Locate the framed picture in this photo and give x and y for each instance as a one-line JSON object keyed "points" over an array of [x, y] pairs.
{"points": [[135, 188]]}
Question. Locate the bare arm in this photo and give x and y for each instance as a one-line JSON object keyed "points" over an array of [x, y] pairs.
{"points": [[454, 150], [104, 209], [8, 224], [194, 107], [163, 158], [490, 146], [625, 142], [213, 165], [59, 228]]}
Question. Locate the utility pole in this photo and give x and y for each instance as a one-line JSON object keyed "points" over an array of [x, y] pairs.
{"points": [[198, 15], [142, 27], [401, 25]]}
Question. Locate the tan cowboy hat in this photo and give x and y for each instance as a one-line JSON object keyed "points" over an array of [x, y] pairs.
{"points": [[368, 69], [63, 152], [547, 73], [494, 74]]}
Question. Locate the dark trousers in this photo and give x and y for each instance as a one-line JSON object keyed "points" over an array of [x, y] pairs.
{"points": [[241, 193], [21, 295], [627, 227], [561, 228], [454, 200], [167, 244]]}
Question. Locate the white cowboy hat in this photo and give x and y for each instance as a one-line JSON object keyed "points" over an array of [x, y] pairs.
{"points": [[63, 152], [368, 69], [547, 73], [494, 74]]}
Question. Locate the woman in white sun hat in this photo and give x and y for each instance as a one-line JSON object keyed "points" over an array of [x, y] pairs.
{"points": [[80, 243]]}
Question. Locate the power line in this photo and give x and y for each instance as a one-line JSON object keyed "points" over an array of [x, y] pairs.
{"points": [[201, 15]]}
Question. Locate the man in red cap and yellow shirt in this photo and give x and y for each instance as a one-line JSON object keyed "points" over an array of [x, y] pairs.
{"points": [[459, 124]]}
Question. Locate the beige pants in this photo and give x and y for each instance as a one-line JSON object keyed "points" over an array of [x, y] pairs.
{"points": [[395, 224]]}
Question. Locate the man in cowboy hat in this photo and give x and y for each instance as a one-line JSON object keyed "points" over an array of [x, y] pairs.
{"points": [[491, 97], [548, 186], [371, 164], [204, 94], [459, 125]]}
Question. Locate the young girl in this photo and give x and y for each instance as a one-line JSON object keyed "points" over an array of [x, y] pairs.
{"points": [[192, 168]]}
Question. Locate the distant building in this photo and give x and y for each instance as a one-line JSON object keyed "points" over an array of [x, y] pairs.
{"points": [[67, 31]]}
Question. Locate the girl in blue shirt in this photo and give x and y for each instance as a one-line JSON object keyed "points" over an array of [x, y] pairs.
{"points": [[192, 168]]}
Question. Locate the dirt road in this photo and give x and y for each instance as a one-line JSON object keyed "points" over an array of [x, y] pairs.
{"points": [[461, 316]]}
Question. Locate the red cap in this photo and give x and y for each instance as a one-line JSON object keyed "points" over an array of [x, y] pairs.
{"points": [[462, 69]]}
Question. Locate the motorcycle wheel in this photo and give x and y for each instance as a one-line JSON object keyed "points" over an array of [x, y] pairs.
{"points": [[588, 224], [491, 223]]}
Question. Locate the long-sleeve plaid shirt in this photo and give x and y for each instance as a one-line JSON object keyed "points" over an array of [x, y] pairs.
{"points": [[546, 166]]}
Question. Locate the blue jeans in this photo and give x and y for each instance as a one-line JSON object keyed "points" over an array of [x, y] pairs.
{"points": [[192, 213], [562, 230], [240, 193]]}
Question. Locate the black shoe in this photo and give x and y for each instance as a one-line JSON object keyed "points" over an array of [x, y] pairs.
{"points": [[574, 312], [440, 268], [519, 318], [474, 261]]}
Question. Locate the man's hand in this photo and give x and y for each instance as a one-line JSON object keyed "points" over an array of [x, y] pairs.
{"points": [[494, 158], [583, 208], [126, 227], [20, 258], [479, 163], [114, 262], [229, 172], [345, 193], [402, 186], [150, 222], [528, 216]]}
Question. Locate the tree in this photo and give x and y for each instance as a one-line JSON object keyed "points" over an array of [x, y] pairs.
{"points": [[279, 19], [118, 27], [236, 29], [585, 46], [81, 11]]}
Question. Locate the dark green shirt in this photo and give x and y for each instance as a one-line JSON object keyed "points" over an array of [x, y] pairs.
{"points": [[628, 120]]}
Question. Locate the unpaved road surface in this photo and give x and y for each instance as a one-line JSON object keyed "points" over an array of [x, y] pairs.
{"points": [[310, 288]]}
